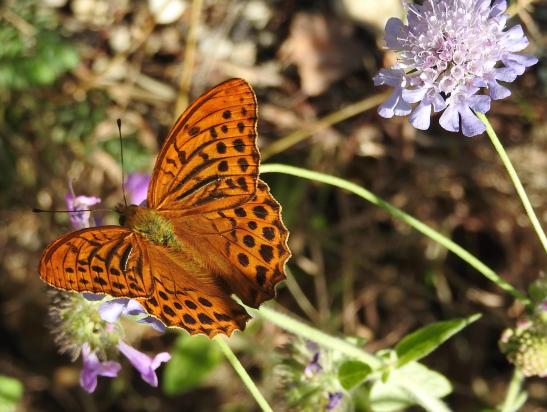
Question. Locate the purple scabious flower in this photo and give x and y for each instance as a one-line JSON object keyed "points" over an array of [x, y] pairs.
{"points": [[137, 187], [450, 56]]}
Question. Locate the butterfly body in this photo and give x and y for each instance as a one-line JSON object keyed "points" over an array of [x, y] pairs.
{"points": [[151, 225], [210, 227]]}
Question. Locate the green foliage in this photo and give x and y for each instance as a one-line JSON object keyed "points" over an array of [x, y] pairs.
{"points": [[413, 384], [352, 373], [32, 52], [193, 358], [11, 392], [425, 340], [136, 157]]}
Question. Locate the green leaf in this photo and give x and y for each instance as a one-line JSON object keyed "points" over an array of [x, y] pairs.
{"points": [[413, 384], [353, 373], [11, 392], [425, 340], [193, 358]]}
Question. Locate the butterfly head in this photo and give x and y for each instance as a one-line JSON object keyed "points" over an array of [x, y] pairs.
{"points": [[127, 214]]}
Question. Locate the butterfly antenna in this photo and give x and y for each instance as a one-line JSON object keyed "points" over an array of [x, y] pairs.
{"points": [[37, 210], [119, 122]]}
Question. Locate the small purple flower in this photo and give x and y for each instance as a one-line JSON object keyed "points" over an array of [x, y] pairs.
{"points": [[137, 187], [93, 367], [448, 52], [111, 310], [80, 220], [313, 368], [335, 398], [143, 363]]}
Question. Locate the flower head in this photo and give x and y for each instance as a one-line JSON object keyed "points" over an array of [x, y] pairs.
{"points": [[91, 327], [448, 53], [526, 346], [309, 376], [137, 187]]}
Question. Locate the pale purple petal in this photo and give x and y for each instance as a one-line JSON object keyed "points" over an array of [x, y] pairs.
{"points": [[414, 95], [450, 119], [515, 39], [479, 103], [335, 398], [80, 220], [394, 105], [112, 309], [143, 363], [393, 31], [420, 116], [154, 323], [498, 7], [93, 367], [471, 125], [314, 367], [93, 297]]}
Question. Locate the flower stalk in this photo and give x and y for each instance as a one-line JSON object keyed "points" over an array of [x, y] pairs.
{"points": [[515, 179]]}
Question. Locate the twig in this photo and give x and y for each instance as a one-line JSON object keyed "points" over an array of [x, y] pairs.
{"points": [[189, 58], [345, 113]]}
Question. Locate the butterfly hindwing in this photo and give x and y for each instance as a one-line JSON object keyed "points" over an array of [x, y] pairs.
{"points": [[209, 159], [182, 300], [252, 239], [107, 259]]}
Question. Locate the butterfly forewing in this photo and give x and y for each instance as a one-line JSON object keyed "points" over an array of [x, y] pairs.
{"points": [[108, 259], [209, 160]]}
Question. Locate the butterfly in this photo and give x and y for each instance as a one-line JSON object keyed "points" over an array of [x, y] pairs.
{"points": [[210, 227]]}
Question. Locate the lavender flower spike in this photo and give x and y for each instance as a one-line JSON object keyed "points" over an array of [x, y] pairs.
{"points": [[93, 368], [143, 363], [451, 56]]}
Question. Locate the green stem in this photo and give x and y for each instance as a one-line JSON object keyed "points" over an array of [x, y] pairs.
{"points": [[512, 397], [516, 181], [301, 329], [399, 214], [247, 380]]}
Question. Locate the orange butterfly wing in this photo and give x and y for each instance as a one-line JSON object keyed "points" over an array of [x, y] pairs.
{"points": [[209, 159], [181, 300], [107, 259]]}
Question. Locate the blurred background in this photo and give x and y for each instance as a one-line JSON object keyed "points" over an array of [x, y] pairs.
{"points": [[69, 69]]}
